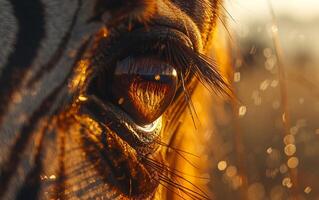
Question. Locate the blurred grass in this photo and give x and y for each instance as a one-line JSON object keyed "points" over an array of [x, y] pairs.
{"points": [[269, 142]]}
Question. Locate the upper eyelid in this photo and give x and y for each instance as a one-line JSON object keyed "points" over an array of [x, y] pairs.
{"points": [[182, 57]]}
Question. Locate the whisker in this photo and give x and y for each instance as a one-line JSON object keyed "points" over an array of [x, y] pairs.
{"points": [[204, 68], [227, 12], [164, 178], [173, 170], [155, 164], [179, 189], [226, 29], [176, 149], [178, 184], [171, 190], [184, 189], [188, 100], [187, 160]]}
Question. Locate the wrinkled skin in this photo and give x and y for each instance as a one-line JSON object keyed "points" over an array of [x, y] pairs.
{"points": [[59, 137]]}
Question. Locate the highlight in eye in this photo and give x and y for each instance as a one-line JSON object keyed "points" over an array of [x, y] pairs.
{"points": [[143, 87]]}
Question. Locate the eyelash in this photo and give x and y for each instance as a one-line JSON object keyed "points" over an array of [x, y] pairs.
{"points": [[188, 62]]}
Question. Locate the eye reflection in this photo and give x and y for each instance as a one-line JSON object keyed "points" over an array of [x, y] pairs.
{"points": [[143, 87]]}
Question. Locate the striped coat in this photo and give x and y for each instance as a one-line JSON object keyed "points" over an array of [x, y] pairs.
{"points": [[55, 142]]}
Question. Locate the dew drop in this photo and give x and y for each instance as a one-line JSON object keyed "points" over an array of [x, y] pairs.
{"points": [[293, 162], [290, 149], [231, 171], [308, 190], [269, 150], [222, 165], [289, 139], [242, 111], [287, 182], [237, 77]]}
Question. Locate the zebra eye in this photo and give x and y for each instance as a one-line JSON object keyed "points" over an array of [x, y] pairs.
{"points": [[143, 87]]}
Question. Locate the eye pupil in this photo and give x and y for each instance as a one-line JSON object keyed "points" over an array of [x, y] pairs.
{"points": [[144, 88]]}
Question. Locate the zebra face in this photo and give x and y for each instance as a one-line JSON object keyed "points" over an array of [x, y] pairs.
{"points": [[92, 94]]}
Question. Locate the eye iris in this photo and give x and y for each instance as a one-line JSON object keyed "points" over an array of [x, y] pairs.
{"points": [[144, 88], [148, 97]]}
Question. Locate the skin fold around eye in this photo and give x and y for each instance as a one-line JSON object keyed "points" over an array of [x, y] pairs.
{"points": [[143, 87]]}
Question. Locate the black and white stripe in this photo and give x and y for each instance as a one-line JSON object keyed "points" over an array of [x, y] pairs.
{"points": [[37, 38]]}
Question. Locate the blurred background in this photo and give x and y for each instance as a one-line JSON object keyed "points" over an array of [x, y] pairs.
{"points": [[267, 146]]}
